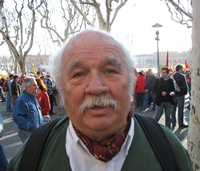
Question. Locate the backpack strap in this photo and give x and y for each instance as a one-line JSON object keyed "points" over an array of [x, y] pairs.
{"points": [[31, 155], [158, 141]]}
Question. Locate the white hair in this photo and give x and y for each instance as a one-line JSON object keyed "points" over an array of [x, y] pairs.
{"points": [[57, 64], [27, 82]]}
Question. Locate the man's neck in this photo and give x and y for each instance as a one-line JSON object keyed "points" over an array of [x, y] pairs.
{"points": [[165, 78]]}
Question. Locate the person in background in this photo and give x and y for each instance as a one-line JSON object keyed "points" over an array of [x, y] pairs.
{"points": [[15, 89], [2, 81], [21, 79], [150, 81], [42, 77], [164, 88], [27, 112], [49, 83], [9, 98], [43, 100], [39, 74], [139, 88], [189, 80], [95, 78], [179, 97]]}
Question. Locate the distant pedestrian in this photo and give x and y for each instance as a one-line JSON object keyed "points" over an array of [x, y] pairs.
{"points": [[27, 113], [189, 80], [21, 79], [49, 83], [179, 97], [2, 82], [43, 100], [164, 88], [139, 88], [150, 81], [15, 89], [9, 98]]}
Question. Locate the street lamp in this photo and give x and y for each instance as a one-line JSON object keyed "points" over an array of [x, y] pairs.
{"points": [[157, 25]]}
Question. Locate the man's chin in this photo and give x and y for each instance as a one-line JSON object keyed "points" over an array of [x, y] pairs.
{"points": [[100, 126]]}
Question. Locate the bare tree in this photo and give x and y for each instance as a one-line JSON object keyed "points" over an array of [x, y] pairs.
{"points": [[17, 27], [61, 19], [105, 11], [181, 11], [7, 64]]}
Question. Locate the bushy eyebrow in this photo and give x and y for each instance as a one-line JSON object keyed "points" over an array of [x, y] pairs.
{"points": [[74, 65], [112, 62]]}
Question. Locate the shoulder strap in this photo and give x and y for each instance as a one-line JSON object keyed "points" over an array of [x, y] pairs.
{"points": [[31, 155], [158, 141]]}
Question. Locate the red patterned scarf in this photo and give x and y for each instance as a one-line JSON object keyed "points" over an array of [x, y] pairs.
{"points": [[108, 148]]}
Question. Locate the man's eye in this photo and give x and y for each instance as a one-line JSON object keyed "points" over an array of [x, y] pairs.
{"points": [[79, 74], [111, 71]]}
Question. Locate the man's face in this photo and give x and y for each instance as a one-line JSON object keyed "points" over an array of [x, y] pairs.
{"points": [[164, 73], [17, 79], [181, 70], [94, 66], [149, 72], [32, 89]]}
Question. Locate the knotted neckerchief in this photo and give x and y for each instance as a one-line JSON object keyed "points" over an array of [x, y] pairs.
{"points": [[108, 148]]}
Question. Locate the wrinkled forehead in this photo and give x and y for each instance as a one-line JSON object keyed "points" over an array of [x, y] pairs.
{"points": [[90, 42]]}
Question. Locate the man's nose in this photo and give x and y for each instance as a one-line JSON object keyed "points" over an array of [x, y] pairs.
{"points": [[96, 85]]}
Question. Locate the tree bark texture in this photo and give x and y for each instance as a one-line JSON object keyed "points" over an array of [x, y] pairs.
{"points": [[194, 128]]}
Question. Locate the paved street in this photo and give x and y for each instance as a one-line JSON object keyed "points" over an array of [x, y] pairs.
{"points": [[11, 142]]}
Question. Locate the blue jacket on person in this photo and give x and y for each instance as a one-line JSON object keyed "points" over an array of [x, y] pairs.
{"points": [[27, 112]]}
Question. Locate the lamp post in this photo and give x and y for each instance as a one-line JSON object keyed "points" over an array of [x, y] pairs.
{"points": [[157, 25]]}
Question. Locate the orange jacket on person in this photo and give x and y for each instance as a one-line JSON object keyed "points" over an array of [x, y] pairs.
{"points": [[140, 84]]}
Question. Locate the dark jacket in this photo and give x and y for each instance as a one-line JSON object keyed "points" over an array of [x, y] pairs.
{"points": [[181, 81], [150, 81], [164, 85], [15, 87]]}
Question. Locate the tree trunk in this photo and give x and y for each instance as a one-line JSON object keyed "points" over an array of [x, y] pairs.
{"points": [[22, 67], [194, 128]]}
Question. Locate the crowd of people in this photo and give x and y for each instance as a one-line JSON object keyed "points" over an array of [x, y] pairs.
{"points": [[31, 100], [166, 93], [27, 95]]}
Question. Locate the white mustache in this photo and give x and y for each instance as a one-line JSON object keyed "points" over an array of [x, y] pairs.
{"points": [[99, 101]]}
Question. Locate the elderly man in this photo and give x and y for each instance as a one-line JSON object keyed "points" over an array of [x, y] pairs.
{"points": [[94, 75], [27, 112]]}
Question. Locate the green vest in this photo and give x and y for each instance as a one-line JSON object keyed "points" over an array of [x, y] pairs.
{"points": [[140, 157]]}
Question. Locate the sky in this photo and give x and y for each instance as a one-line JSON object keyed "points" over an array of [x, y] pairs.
{"points": [[136, 23]]}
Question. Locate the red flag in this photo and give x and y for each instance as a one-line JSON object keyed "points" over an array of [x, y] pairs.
{"points": [[167, 60], [187, 65]]}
